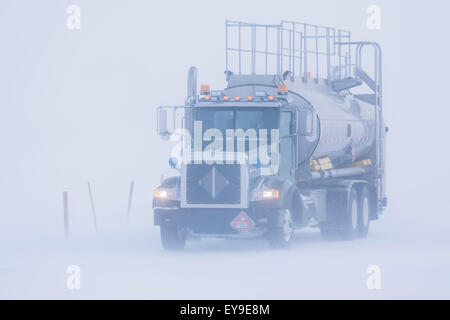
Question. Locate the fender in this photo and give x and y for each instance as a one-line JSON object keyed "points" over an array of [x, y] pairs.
{"points": [[287, 191], [285, 188], [168, 183]]}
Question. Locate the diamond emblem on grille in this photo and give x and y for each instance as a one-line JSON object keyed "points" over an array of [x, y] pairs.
{"points": [[213, 182]]}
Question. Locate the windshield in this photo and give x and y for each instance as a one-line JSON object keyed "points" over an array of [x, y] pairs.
{"points": [[242, 118]]}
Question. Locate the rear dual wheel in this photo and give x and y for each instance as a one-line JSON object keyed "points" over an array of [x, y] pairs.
{"points": [[349, 222], [364, 213], [354, 220]]}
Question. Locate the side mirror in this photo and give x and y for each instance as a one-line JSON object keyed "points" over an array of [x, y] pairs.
{"points": [[161, 117], [288, 123], [306, 122], [293, 125]]}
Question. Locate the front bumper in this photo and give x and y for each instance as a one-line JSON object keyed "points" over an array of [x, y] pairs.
{"points": [[214, 222]]}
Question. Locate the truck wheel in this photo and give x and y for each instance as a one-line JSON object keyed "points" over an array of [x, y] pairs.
{"points": [[171, 237], [345, 223], [349, 222], [364, 213], [281, 237]]}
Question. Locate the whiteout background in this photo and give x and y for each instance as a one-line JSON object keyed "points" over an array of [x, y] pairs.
{"points": [[79, 106]]}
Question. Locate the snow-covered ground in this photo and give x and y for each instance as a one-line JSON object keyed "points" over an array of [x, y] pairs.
{"points": [[130, 263]]}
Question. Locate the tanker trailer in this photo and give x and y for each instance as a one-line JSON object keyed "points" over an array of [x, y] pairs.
{"points": [[277, 151]]}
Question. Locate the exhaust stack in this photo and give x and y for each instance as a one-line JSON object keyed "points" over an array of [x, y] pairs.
{"points": [[192, 84]]}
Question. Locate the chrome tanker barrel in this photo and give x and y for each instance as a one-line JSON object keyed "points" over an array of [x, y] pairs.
{"points": [[345, 126]]}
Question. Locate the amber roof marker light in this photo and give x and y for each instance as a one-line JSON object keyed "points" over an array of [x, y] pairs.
{"points": [[282, 89], [205, 89]]}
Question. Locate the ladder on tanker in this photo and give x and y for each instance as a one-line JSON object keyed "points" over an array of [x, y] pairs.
{"points": [[311, 53]]}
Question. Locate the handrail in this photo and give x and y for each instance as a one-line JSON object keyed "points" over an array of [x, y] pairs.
{"points": [[379, 125], [294, 45]]}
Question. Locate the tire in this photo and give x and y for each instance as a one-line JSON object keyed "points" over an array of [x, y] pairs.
{"points": [[364, 213], [349, 219], [172, 237], [344, 223], [281, 237]]}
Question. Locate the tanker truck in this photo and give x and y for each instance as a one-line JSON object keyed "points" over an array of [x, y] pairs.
{"points": [[296, 139]]}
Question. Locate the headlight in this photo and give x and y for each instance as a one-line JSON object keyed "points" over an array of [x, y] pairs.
{"points": [[267, 194], [169, 194]]}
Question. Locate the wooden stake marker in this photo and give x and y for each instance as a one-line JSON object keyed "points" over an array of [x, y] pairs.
{"points": [[92, 207], [130, 198]]}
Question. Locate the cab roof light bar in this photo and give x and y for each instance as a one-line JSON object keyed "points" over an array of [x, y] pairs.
{"points": [[206, 94]]}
